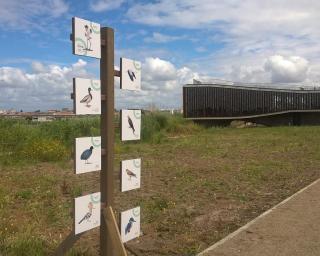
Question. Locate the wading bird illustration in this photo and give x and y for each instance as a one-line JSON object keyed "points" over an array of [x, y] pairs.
{"points": [[131, 75], [86, 155], [87, 99], [129, 225], [130, 174], [131, 124], [88, 215], [87, 34]]}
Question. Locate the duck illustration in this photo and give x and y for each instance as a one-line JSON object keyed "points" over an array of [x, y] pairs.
{"points": [[86, 154], [131, 124], [131, 75], [87, 99], [129, 225], [131, 174], [88, 215]]}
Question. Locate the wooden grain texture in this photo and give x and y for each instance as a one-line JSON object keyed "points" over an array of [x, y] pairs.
{"points": [[111, 223], [107, 134]]}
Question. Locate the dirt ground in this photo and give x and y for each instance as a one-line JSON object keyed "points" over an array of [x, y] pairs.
{"points": [[195, 189]]}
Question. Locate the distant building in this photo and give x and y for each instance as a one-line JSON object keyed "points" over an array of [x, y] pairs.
{"points": [[42, 118], [52, 110], [260, 103]]}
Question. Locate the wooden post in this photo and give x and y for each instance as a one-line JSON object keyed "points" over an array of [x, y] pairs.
{"points": [[107, 134], [114, 231]]}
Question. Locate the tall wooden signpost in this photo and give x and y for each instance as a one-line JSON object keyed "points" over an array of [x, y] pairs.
{"points": [[95, 153]]}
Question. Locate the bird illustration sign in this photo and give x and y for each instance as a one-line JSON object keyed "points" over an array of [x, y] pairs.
{"points": [[130, 224], [87, 212], [87, 154], [130, 78], [87, 96], [86, 38], [130, 174], [130, 124]]}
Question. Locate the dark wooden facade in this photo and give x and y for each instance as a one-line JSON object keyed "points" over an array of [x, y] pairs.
{"points": [[238, 102]]}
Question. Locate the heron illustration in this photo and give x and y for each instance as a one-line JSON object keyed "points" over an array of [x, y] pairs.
{"points": [[87, 34], [87, 99]]}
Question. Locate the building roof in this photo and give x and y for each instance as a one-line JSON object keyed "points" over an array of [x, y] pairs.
{"points": [[288, 87]]}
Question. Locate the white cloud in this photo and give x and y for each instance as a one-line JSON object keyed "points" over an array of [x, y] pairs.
{"points": [[45, 87], [161, 38], [245, 34], [105, 5], [80, 64], [201, 49], [49, 86], [58, 7], [155, 69], [242, 16], [287, 69], [29, 14], [38, 67]]}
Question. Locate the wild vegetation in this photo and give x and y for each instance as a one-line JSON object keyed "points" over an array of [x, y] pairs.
{"points": [[198, 184]]}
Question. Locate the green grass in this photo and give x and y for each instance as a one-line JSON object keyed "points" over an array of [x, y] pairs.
{"points": [[198, 184], [24, 142]]}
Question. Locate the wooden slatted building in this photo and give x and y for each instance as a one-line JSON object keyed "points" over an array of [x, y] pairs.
{"points": [[222, 103]]}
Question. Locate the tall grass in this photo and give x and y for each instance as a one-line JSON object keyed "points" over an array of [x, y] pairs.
{"points": [[22, 140], [158, 126]]}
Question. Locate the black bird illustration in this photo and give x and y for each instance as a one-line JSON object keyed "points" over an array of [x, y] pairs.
{"points": [[131, 174], [86, 154], [131, 75], [88, 98], [129, 225], [131, 124], [88, 215]]}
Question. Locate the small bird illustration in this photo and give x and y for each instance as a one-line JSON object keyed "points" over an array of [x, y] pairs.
{"points": [[86, 154], [131, 75], [88, 215], [129, 225], [131, 174], [88, 98], [131, 124]]}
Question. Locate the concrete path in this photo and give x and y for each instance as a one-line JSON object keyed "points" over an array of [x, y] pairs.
{"points": [[292, 228]]}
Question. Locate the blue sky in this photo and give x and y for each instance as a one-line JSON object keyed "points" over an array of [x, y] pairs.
{"points": [[176, 40]]}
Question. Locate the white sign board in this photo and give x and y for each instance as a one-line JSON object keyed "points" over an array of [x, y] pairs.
{"points": [[130, 174], [87, 96], [130, 124], [87, 212], [87, 154], [130, 224], [86, 38], [130, 78]]}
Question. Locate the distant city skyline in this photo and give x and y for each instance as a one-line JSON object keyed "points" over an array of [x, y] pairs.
{"points": [[176, 41]]}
